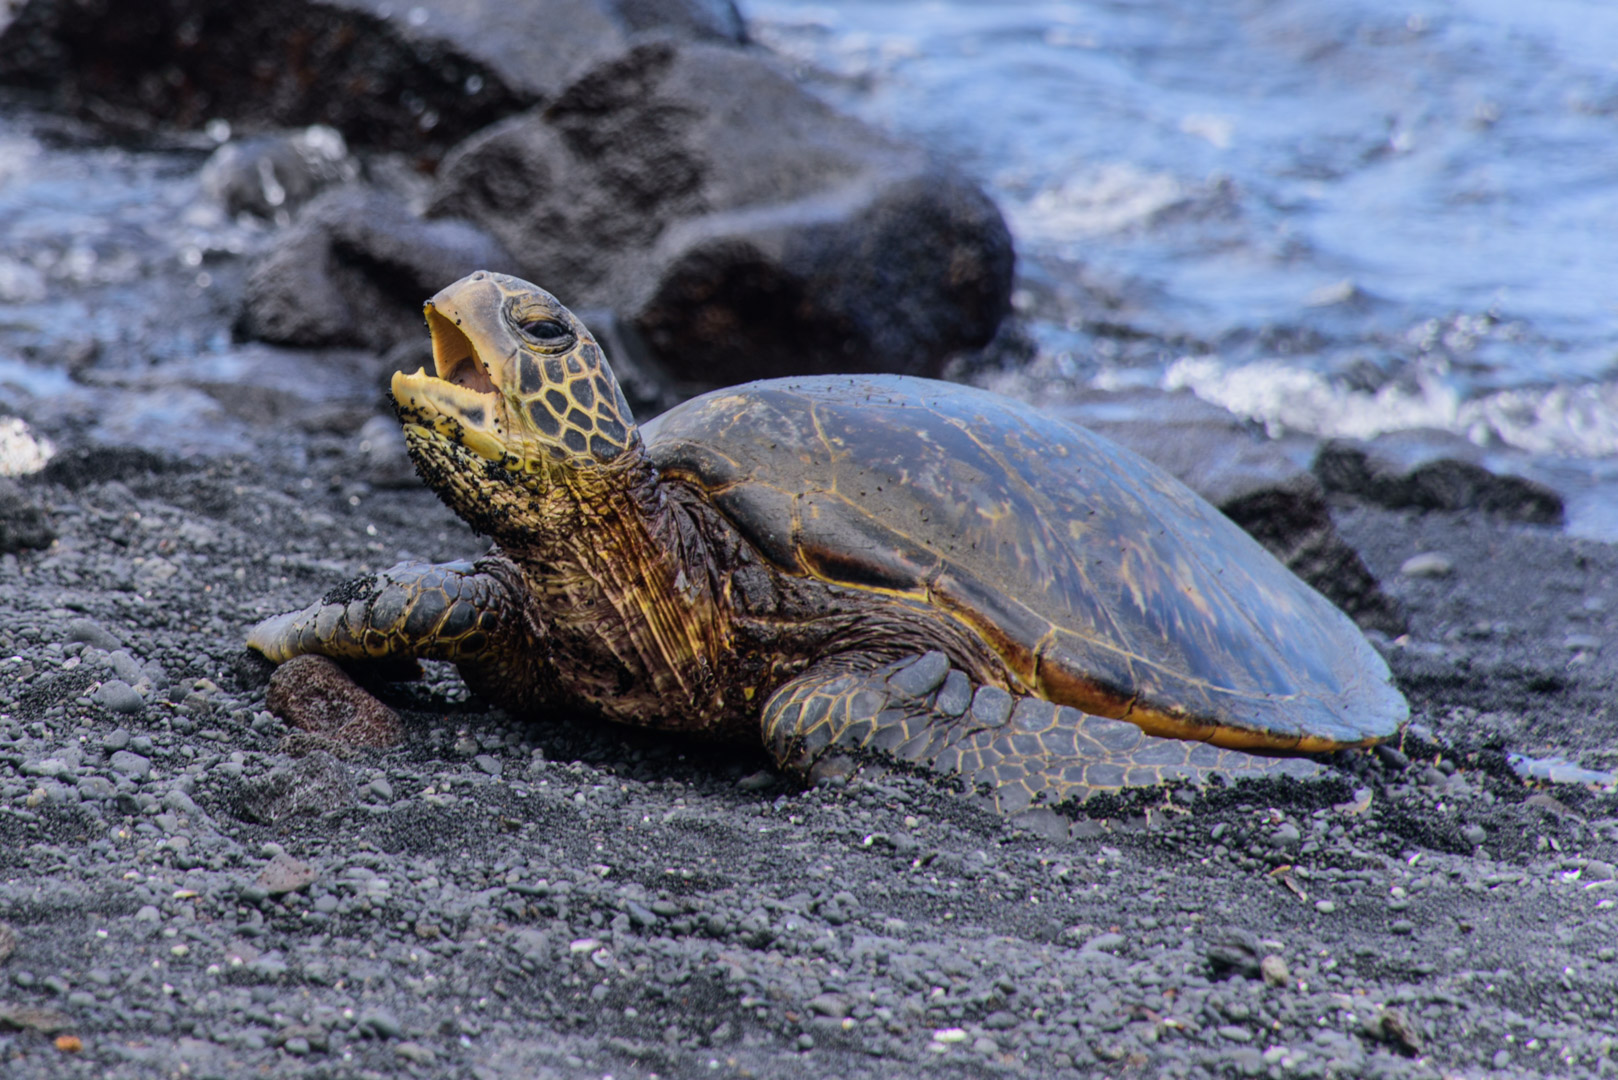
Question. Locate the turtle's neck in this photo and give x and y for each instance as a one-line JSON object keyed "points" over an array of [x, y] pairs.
{"points": [[625, 600]]}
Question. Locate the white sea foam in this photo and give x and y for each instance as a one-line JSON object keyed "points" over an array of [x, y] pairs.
{"points": [[21, 451], [1572, 421], [1105, 198]]}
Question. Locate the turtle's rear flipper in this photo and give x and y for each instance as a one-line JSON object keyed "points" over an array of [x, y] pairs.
{"points": [[920, 713]]}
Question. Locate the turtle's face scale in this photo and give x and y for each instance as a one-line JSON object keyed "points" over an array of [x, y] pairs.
{"points": [[519, 381]]}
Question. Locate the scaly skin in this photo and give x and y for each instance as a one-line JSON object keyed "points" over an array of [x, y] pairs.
{"points": [[631, 593]]}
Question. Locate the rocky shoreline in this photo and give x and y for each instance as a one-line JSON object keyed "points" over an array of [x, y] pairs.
{"points": [[187, 886]]}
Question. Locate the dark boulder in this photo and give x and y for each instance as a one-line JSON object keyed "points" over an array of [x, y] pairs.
{"points": [[273, 175], [23, 522], [417, 75], [355, 270], [741, 226], [1434, 470]]}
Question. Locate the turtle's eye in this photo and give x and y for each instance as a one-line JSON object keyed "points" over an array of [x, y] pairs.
{"points": [[544, 331]]}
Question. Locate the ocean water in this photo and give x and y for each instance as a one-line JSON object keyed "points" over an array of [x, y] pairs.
{"points": [[1336, 216], [1342, 217]]}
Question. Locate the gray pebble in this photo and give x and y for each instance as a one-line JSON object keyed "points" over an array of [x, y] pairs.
{"points": [[835, 1006], [381, 1023], [487, 763], [97, 788], [1431, 564], [116, 739], [1596, 870], [1391, 756], [132, 765], [119, 697], [126, 666], [1286, 837], [283, 874], [178, 801], [93, 633], [315, 784], [1475, 834], [1000, 1020]]}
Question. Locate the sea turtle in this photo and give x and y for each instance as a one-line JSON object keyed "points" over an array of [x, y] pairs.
{"points": [[860, 568]]}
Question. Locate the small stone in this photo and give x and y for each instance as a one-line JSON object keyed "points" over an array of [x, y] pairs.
{"points": [[640, 916], [1391, 756], [416, 1053], [1236, 1033], [96, 788], [126, 666], [314, 784], [92, 633], [757, 781], [178, 801], [1474, 834], [488, 763], [1596, 870], [949, 1035], [835, 1006], [149, 913], [984, 1045], [313, 694], [1325, 907], [1286, 837], [117, 696], [116, 739], [1432, 564], [131, 765], [1275, 972], [1000, 1020], [381, 1023], [1582, 643], [8, 941], [806, 1041], [1402, 926], [1398, 1032], [1104, 943], [283, 874], [297, 1046], [1233, 950], [380, 789]]}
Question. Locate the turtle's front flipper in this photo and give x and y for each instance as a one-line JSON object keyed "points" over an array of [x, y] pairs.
{"points": [[921, 713], [446, 611]]}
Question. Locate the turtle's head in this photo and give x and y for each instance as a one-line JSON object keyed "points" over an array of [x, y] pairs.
{"points": [[521, 401]]}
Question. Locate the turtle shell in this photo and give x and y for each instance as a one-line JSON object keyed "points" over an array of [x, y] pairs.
{"points": [[1101, 581]]}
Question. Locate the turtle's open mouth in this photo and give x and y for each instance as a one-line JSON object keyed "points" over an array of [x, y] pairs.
{"points": [[454, 356], [461, 402]]}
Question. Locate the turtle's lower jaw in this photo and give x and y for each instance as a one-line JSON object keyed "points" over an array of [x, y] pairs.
{"points": [[454, 411]]}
